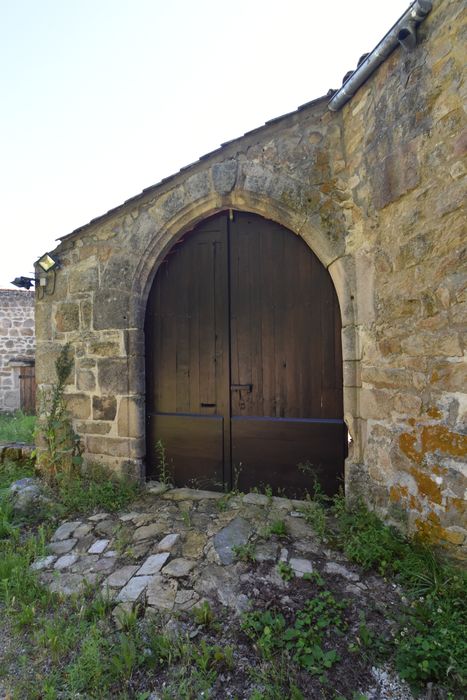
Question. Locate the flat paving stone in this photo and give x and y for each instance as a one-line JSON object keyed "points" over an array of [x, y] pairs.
{"points": [[111, 553], [186, 599], [301, 567], [179, 567], [266, 552], [98, 547], [85, 542], [153, 564], [68, 584], [147, 531], [237, 533], [333, 567], [222, 583], [62, 547], [185, 494], [82, 530], [65, 561], [168, 542], [256, 499], [120, 577], [133, 589], [85, 564], [125, 517], [308, 546], [144, 519], [297, 528], [161, 593], [43, 563], [65, 530], [107, 528], [194, 544], [156, 487], [105, 564]]}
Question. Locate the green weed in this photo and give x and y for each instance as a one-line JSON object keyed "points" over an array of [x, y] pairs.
{"points": [[285, 571], [430, 645], [63, 449], [304, 640], [204, 615], [163, 467], [244, 552], [94, 489], [266, 629], [11, 471], [276, 679], [278, 528]]}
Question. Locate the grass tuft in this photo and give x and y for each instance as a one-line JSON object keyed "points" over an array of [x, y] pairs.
{"points": [[17, 427]]}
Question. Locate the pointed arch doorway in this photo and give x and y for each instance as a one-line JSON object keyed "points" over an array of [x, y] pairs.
{"points": [[244, 361]]}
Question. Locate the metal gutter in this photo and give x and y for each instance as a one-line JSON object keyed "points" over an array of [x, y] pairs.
{"points": [[404, 32]]}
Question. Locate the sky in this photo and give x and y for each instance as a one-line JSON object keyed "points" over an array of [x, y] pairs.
{"points": [[102, 98]]}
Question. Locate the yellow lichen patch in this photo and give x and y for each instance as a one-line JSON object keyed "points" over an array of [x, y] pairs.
{"points": [[415, 504], [457, 503], [407, 444], [436, 469], [427, 487], [438, 437], [434, 412], [397, 493], [429, 528]]}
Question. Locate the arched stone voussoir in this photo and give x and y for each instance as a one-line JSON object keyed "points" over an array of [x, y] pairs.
{"points": [[191, 213]]}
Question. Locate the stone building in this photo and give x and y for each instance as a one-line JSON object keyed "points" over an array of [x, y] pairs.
{"points": [[17, 349], [376, 191]]}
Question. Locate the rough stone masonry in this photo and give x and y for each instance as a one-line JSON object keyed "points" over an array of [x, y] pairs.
{"points": [[17, 344], [376, 190]]}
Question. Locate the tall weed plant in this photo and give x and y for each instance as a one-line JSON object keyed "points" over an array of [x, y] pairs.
{"points": [[63, 449]]}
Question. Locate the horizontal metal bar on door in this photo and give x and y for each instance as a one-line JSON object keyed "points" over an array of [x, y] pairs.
{"points": [[185, 415], [337, 421]]}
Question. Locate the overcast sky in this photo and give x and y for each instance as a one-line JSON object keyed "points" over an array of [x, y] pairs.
{"points": [[101, 98]]}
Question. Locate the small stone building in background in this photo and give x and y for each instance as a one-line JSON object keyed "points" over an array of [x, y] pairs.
{"points": [[17, 350]]}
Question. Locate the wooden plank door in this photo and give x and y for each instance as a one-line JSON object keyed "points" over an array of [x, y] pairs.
{"points": [[286, 367], [187, 349], [27, 388], [244, 364]]}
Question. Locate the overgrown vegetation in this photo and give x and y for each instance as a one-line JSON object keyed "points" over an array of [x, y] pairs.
{"points": [[17, 427], [61, 450], [305, 639], [73, 647], [431, 644]]}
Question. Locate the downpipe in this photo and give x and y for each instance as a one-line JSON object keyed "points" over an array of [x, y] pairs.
{"points": [[403, 33]]}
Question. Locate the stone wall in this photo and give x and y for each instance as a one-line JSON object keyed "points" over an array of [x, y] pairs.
{"points": [[376, 191], [404, 142], [17, 343]]}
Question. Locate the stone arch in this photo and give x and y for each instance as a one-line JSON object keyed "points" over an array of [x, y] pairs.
{"points": [[331, 255], [339, 266]]}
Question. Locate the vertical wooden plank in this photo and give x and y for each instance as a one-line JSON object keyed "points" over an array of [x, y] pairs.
{"points": [[182, 335], [268, 339], [187, 333], [27, 389]]}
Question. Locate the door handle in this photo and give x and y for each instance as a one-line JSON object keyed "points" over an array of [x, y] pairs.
{"points": [[242, 387]]}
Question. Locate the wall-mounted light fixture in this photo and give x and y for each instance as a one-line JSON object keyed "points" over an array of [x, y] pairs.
{"points": [[24, 282], [48, 262]]}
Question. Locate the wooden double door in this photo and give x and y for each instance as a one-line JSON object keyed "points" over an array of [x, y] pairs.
{"points": [[243, 361]]}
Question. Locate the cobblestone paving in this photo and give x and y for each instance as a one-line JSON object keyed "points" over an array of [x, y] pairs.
{"points": [[179, 547]]}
